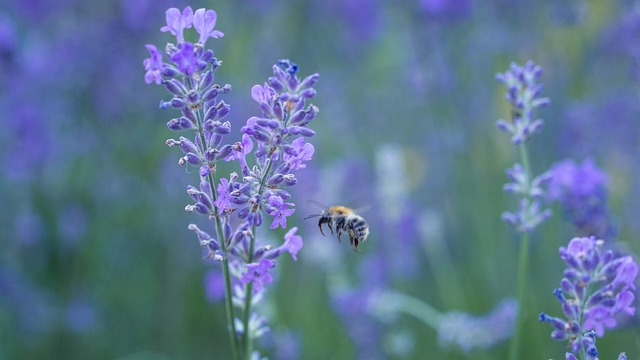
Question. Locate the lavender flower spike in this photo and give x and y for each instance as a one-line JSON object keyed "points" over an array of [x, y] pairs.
{"points": [[597, 290], [523, 93]]}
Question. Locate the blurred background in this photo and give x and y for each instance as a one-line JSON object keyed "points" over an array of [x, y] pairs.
{"points": [[96, 261]]}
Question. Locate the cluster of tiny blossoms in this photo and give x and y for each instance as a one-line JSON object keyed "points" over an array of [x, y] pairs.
{"points": [[597, 287], [582, 191], [274, 141], [523, 93]]}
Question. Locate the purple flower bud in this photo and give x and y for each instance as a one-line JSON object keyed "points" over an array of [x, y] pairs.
{"points": [[189, 114], [266, 109], [224, 151], [211, 94], [273, 124], [206, 80], [277, 111], [505, 126], [179, 124], [178, 102], [309, 81], [290, 180], [308, 93], [279, 74], [200, 208], [275, 84], [223, 110], [187, 145], [222, 129], [260, 135], [275, 179], [193, 96], [192, 159], [175, 87], [297, 117], [257, 218], [210, 113], [299, 130], [211, 155]]}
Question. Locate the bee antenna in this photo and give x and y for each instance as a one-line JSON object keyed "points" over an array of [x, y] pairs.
{"points": [[312, 216]]}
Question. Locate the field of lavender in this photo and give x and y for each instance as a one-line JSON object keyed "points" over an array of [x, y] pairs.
{"points": [[166, 166]]}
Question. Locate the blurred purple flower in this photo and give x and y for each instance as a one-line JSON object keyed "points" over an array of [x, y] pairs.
{"points": [[523, 93], [469, 332], [214, 285], [582, 191], [445, 8], [80, 315]]}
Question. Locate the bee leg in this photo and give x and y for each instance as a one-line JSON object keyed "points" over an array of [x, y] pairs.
{"points": [[355, 247], [320, 226], [339, 234]]}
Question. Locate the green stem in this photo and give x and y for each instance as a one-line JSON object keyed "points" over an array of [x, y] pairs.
{"points": [[412, 306], [521, 294], [523, 260], [225, 260], [227, 277], [248, 345]]}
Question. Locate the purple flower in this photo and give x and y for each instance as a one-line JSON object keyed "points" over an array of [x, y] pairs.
{"points": [[240, 151], [595, 291], [258, 273], [153, 65], [262, 94], [299, 153], [223, 201], [292, 243], [581, 189], [204, 21], [279, 210], [186, 59], [177, 22], [523, 92]]}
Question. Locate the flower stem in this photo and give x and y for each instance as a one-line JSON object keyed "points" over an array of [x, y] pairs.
{"points": [[523, 260], [225, 259], [393, 301], [248, 345], [520, 285], [227, 278]]}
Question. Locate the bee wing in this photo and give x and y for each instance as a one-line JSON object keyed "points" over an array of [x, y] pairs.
{"points": [[319, 204]]}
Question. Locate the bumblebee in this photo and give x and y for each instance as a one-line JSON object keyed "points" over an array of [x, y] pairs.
{"points": [[345, 220]]}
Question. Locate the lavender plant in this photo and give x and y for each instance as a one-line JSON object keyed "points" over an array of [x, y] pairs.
{"points": [[596, 291], [275, 142], [523, 93]]}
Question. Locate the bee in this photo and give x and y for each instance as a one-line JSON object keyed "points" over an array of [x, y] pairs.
{"points": [[345, 220]]}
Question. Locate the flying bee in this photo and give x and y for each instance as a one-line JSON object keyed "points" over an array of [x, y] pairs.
{"points": [[345, 220]]}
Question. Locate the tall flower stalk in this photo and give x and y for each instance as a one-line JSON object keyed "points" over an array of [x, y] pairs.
{"points": [[236, 203], [523, 93], [596, 291]]}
